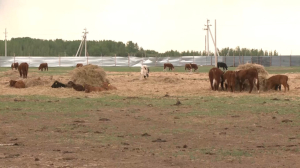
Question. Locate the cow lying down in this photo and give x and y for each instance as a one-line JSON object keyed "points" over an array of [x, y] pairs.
{"points": [[57, 84], [17, 84], [105, 86], [77, 87]]}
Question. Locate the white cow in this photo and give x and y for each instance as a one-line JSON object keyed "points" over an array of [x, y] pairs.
{"points": [[144, 72]]}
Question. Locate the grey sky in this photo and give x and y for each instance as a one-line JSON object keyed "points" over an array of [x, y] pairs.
{"points": [[159, 25]]}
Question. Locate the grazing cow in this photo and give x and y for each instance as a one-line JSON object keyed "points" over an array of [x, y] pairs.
{"points": [[43, 66], [276, 81], [188, 66], [229, 80], [14, 65], [222, 64], [89, 88], [17, 84], [169, 65], [79, 65], [23, 69], [194, 66], [215, 78], [77, 87], [251, 74], [57, 84], [144, 71]]}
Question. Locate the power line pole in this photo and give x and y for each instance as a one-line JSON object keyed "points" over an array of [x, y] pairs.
{"points": [[5, 43], [207, 28], [83, 42]]}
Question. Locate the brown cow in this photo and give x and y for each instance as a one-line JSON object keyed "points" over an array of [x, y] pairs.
{"points": [[23, 69], [277, 80], [194, 66], [89, 88], [169, 65], [108, 86], [79, 65], [215, 78], [14, 65], [17, 84], [76, 86], [188, 66], [43, 66], [251, 74], [229, 80]]}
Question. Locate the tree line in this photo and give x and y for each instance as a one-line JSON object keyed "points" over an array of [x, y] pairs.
{"points": [[27, 46]]}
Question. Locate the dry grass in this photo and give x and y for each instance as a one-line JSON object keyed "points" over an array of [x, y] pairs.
{"points": [[89, 74]]}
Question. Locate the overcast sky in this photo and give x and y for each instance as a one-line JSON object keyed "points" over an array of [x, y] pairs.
{"points": [[159, 25]]}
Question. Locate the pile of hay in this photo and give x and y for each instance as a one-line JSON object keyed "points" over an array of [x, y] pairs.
{"points": [[263, 75], [36, 82], [88, 74]]}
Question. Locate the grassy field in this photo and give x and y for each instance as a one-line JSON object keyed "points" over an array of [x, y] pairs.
{"points": [[207, 129]]}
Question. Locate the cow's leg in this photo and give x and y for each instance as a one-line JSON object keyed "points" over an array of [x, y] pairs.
{"points": [[251, 85], [241, 85], [20, 73]]}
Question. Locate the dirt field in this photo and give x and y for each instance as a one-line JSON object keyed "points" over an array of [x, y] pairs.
{"points": [[143, 124]]}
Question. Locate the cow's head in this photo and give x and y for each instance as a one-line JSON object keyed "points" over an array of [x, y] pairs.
{"points": [[12, 82]]}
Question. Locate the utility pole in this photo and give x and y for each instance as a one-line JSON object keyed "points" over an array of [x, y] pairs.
{"points": [[5, 43], [207, 28], [83, 42]]}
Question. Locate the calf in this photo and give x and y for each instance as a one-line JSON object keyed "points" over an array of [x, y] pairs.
{"points": [[14, 65], [276, 81], [23, 69], [17, 84], [215, 78], [229, 80], [43, 66], [79, 65], [77, 87], [144, 71], [251, 74], [57, 84], [188, 66], [89, 88], [194, 66], [169, 65], [222, 64]]}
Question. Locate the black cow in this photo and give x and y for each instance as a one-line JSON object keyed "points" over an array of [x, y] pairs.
{"points": [[222, 64], [57, 84]]}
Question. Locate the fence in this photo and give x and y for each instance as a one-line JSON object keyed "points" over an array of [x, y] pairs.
{"points": [[132, 61]]}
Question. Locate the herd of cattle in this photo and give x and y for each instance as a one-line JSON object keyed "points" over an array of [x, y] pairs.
{"points": [[23, 70], [229, 78], [216, 77]]}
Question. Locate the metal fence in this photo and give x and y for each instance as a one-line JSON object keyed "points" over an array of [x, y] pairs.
{"points": [[132, 61]]}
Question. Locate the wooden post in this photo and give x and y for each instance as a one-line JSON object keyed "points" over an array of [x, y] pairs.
{"points": [[233, 60], [270, 61], [280, 61], [87, 60], [115, 60], [211, 61], [128, 60]]}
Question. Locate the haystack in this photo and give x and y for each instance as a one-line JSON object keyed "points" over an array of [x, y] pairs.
{"points": [[262, 76], [89, 74], [30, 82]]}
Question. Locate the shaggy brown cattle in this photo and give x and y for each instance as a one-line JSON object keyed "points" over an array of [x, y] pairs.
{"points": [[229, 80], [76, 86], [17, 84], [79, 65], [43, 66], [250, 74], [14, 65], [276, 81], [169, 65], [215, 78], [23, 69], [89, 88], [194, 66], [188, 66]]}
